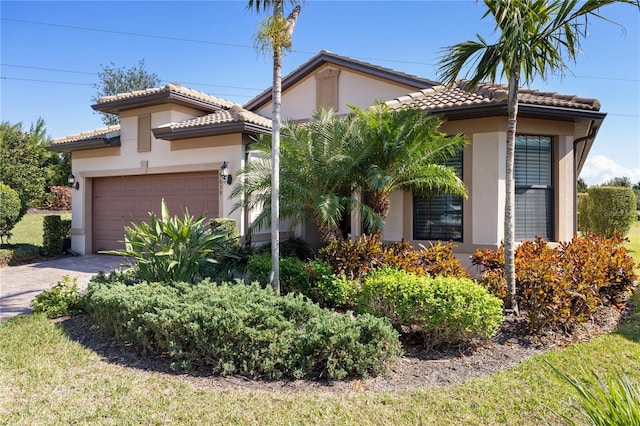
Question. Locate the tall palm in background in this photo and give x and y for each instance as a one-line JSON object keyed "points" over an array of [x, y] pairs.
{"points": [[318, 171], [535, 38], [404, 150], [275, 34]]}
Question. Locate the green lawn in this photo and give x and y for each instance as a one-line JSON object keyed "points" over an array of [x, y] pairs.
{"points": [[634, 241], [29, 229], [45, 378]]}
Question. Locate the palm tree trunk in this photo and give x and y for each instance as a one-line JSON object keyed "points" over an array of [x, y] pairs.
{"points": [[509, 208], [380, 204], [328, 233], [275, 160]]}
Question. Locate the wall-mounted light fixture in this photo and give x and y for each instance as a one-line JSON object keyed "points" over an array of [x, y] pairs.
{"points": [[72, 182], [224, 174]]}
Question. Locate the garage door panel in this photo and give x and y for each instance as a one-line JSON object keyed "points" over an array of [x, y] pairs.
{"points": [[117, 200]]}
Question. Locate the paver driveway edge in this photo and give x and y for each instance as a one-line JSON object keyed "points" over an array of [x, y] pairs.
{"points": [[19, 285]]}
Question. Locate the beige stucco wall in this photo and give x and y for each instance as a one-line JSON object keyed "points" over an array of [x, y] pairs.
{"points": [[192, 155], [484, 175], [299, 100]]}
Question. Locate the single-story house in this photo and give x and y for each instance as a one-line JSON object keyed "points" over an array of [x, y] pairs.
{"points": [[173, 141]]}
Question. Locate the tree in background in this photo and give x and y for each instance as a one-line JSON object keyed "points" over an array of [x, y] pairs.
{"points": [[582, 186], [114, 80], [22, 155], [274, 35], [535, 38], [9, 211], [403, 149], [623, 182]]}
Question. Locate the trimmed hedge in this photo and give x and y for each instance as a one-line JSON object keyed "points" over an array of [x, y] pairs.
{"points": [[610, 209], [441, 310], [55, 232], [245, 330]]}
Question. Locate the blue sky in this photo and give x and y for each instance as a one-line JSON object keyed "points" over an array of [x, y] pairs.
{"points": [[51, 51]]}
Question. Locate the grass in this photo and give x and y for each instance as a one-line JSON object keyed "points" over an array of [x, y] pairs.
{"points": [[29, 229], [45, 378], [26, 241]]}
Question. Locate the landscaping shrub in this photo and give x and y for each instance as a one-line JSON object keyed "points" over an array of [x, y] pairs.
{"points": [[442, 310], [172, 249], [55, 232], [291, 247], [228, 227], [355, 259], [564, 285], [294, 277], [18, 254], [352, 259], [331, 290], [62, 299], [10, 206], [58, 198], [583, 212], [435, 260], [245, 330], [610, 209]]}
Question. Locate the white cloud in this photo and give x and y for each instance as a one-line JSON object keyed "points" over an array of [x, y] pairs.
{"points": [[599, 169]]}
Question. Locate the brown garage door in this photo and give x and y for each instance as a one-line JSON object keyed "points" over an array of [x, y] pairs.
{"points": [[117, 199]]}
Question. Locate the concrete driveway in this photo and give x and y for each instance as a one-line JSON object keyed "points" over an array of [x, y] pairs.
{"points": [[19, 285]]}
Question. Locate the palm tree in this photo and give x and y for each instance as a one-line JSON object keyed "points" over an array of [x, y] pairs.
{"points": [[404, 150], [318, 176], [534, 38], [275, 34]]}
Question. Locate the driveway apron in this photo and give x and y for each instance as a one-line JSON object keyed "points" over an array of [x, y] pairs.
{"points": [[19, 285]]}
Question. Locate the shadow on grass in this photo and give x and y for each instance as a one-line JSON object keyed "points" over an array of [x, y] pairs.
{"points": [[629, 327]]}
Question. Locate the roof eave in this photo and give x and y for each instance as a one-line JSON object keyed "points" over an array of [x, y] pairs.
{"points": [[524, 110], [84, 144], [167, 133], [152, 99], [325, 57]]}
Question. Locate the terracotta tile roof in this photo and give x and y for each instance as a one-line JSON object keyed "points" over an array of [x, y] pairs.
{"points": [[442, 98], [168, 88], [235, 114], [104, 133]]}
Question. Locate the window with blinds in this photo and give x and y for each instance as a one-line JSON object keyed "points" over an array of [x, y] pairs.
{"points": [[439, 217], [533, 187], [327, 89]]}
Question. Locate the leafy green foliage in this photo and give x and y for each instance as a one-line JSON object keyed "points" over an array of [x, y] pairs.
{"points": [[114, 80], [609, 209], [22, 155], [291, 247], [9, 211], [171, 249], [561, 286], [18, 254], [62, 299], [317, 175], [55, 232], [441, 310], [611, 402], [329, 289], [245, 330], [294, 277], [401, 149]]}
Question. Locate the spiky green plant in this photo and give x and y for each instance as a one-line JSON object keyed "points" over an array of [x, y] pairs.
{"points": [[611, 402], [170, 249]]}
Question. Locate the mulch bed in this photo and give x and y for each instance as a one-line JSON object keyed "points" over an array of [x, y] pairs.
{"points": [[417, 369]]}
